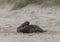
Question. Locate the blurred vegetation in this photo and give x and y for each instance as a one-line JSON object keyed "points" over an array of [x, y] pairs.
{"points": [[2, 2], [51, 3], [21, 3]]}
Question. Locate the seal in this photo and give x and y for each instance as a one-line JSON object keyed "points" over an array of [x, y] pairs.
{"points": [[27, 28]]}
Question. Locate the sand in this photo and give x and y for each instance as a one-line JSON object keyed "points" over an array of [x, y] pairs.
{"points": [[47, 18]]}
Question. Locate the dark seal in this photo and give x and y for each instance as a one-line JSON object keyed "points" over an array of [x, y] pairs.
{"points": [[27, 28]]}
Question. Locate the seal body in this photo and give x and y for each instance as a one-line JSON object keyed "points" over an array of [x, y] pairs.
{"points": [[33, 29]]}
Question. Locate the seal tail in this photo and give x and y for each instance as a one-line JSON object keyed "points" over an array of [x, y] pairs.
{"points": [[43, 31]]}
